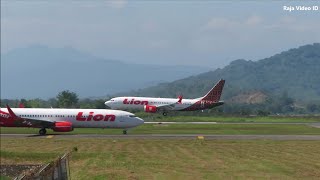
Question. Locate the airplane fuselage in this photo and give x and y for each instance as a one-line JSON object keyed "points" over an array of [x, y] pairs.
{"points": [[138, 103], [79, 118], [152, 105]]}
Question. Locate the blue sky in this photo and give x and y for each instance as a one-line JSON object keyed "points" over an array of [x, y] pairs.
{"points": [[205, 33]]}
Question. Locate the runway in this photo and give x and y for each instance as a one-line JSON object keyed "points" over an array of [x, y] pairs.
{"points": [[315, 124], [169, 136]]}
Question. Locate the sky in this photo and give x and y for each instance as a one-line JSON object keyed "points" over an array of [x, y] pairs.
{"points": [[199, 33]]}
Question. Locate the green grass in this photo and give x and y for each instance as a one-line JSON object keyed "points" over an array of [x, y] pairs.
{"points": [[280, 119], [188, 129], [172, 159], [4, 177]]}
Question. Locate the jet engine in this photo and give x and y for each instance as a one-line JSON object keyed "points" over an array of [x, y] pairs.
{"points": [[63, 126], [150, 109]]}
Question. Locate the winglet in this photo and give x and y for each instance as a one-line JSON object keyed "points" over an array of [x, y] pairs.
{"points": [[11, 112], [180, 99]]}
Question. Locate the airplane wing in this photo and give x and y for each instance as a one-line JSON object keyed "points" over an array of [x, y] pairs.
{"points": [[168, 107], [29, 121], [35, 122]]}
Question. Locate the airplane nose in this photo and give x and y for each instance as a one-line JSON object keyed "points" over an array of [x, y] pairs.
{"points": [[106, 103], [139, 121]]}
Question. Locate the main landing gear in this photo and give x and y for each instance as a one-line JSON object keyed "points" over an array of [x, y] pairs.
{"points": [[164, 114], [124, 132], [42, 131]]}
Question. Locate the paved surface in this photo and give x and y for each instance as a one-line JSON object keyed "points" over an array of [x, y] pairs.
{"points": [[294, 123], [170, 136], [317, 125], [155, 122]]}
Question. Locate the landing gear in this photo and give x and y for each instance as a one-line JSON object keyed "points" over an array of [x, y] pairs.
{"points": [[42, 131], [164, 114], [124, 132]]}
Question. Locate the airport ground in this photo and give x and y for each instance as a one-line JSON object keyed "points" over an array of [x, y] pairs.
{"points": [[103, 154], [194, 129], [228, 119], [171, 159]]}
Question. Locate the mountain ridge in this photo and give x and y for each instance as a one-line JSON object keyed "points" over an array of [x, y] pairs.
{"points": [[296, 72], [43, 72]]}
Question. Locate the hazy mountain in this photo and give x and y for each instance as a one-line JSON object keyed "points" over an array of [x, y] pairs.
{"points": [[42, 72], [295, 72]]}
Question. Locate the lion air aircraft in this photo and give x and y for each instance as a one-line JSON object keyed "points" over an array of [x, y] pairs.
{"points": [[152, 105], [64, 120]]}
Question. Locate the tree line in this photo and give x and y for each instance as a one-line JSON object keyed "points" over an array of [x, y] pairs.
{"points": [[65, 99], [282, 104]]}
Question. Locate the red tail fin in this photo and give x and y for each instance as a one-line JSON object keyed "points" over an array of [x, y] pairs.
{"points": [[215, 93], [7, 118], [180, 99], [11, 112]]}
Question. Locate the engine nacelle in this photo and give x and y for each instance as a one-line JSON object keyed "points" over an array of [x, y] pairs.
{"points": [[62, 127], [150, 109]]}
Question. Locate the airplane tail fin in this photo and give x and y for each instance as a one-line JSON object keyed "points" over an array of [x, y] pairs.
{"points": [[180, 99], [12, 114], [215, 93], [7, 118]]}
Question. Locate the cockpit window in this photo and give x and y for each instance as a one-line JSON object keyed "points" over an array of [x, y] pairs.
{"points": [[132, 116]]}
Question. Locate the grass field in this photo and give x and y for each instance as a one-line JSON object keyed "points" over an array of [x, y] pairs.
{"points": [[4, 178], [284, 129], [279, 119], [172, 159], [177, 159]]}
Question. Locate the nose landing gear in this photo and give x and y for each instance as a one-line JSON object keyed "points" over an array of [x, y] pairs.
{"points": [[124, 132]]}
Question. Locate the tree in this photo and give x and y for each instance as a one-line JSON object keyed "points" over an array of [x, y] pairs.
{"points": [[86, 104], [67, 99], [313, 108], [25, 103], [52, 102], [99, 104], [35, 103]]}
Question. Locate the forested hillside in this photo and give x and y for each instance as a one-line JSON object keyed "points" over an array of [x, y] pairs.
{"points": [[291, 76], [286, 83], [295, 72]]}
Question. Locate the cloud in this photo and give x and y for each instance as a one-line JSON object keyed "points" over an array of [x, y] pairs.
{"points": [[159, 44], [227, 24], [293, 25], [253, 20], [149, 26], [219, 23], [287, 20], [117, 4]]}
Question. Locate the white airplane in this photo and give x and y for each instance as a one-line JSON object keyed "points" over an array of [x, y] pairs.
{"points": [[64, 120], [152, 105]]}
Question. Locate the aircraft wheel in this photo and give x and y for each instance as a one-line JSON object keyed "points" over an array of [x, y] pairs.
{"points": [[42, 131], [124, 131], [164, 113]]}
